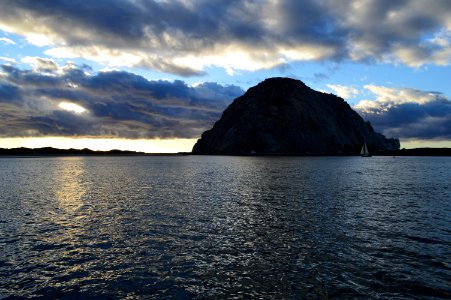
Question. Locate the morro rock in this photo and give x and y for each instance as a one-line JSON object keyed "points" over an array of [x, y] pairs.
{"points": [[284, 116]]}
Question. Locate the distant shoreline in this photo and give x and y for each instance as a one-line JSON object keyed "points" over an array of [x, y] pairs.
{"points": [[49, 151], [416, 152]]}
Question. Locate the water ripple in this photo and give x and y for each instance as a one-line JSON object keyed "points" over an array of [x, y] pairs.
{"points": [[225, 227]]}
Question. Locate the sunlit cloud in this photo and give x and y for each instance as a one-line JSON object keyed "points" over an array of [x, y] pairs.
{"points": [[345, 92], [109, 57], [39, 40], [442, 38], [408, 113], [387, 98], [40, 64], [72, 107], [7, 41], [8, 60], [185, 38]]}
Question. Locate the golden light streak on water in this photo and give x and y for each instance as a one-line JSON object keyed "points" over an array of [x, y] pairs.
{"points": [[68, 178]]}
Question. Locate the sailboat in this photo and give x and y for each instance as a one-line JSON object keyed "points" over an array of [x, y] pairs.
{"points": [[364, 152]]}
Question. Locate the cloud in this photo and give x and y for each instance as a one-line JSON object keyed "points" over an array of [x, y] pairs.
{"points": [[9, 93], [408, 113], [396, 31], [186, 37], [44, 65], [117, 104], [345, 92], [7, 41], [8, 60]]}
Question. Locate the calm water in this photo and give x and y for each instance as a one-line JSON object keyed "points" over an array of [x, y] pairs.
{"points": [[225, 227]]}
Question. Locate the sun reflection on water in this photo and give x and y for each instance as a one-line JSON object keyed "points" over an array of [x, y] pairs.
{"points": [[69, 191]]}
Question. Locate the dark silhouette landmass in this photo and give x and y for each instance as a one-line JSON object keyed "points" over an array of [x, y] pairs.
{"points": [[417, 152], [283, 116], [49, 151]]}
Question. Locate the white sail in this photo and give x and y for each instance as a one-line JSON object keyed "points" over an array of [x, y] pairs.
{"points": [[364, 150]]}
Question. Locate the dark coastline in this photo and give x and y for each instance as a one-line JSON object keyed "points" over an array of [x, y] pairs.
{"points": [[49, 151], [417, 152]]}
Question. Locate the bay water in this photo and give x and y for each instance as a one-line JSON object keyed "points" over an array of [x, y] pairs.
{"points": [[182, 227]]}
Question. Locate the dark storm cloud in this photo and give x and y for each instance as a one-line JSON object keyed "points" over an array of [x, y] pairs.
{"points": [[118, 104], [396, 114], [9, 93], [413, 120], [185, 37], [413, 31]]}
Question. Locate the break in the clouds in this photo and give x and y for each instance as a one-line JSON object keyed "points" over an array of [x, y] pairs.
{"points": [[185, 37], [408, 113], [49, 100]]}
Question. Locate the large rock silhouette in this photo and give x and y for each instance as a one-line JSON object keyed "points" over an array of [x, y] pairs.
{"points": [[284, 116]]}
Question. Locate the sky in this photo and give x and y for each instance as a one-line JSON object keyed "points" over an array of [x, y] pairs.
{"points": [[151, 76]]}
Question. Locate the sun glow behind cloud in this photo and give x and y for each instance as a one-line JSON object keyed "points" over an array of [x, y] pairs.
{"points": [[72, 107]]}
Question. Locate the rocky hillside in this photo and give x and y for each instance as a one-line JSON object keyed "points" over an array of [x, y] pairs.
{"points": [[284, 116]]}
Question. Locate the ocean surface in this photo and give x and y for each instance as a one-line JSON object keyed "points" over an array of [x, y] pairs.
{"points": [[225, 227]]}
